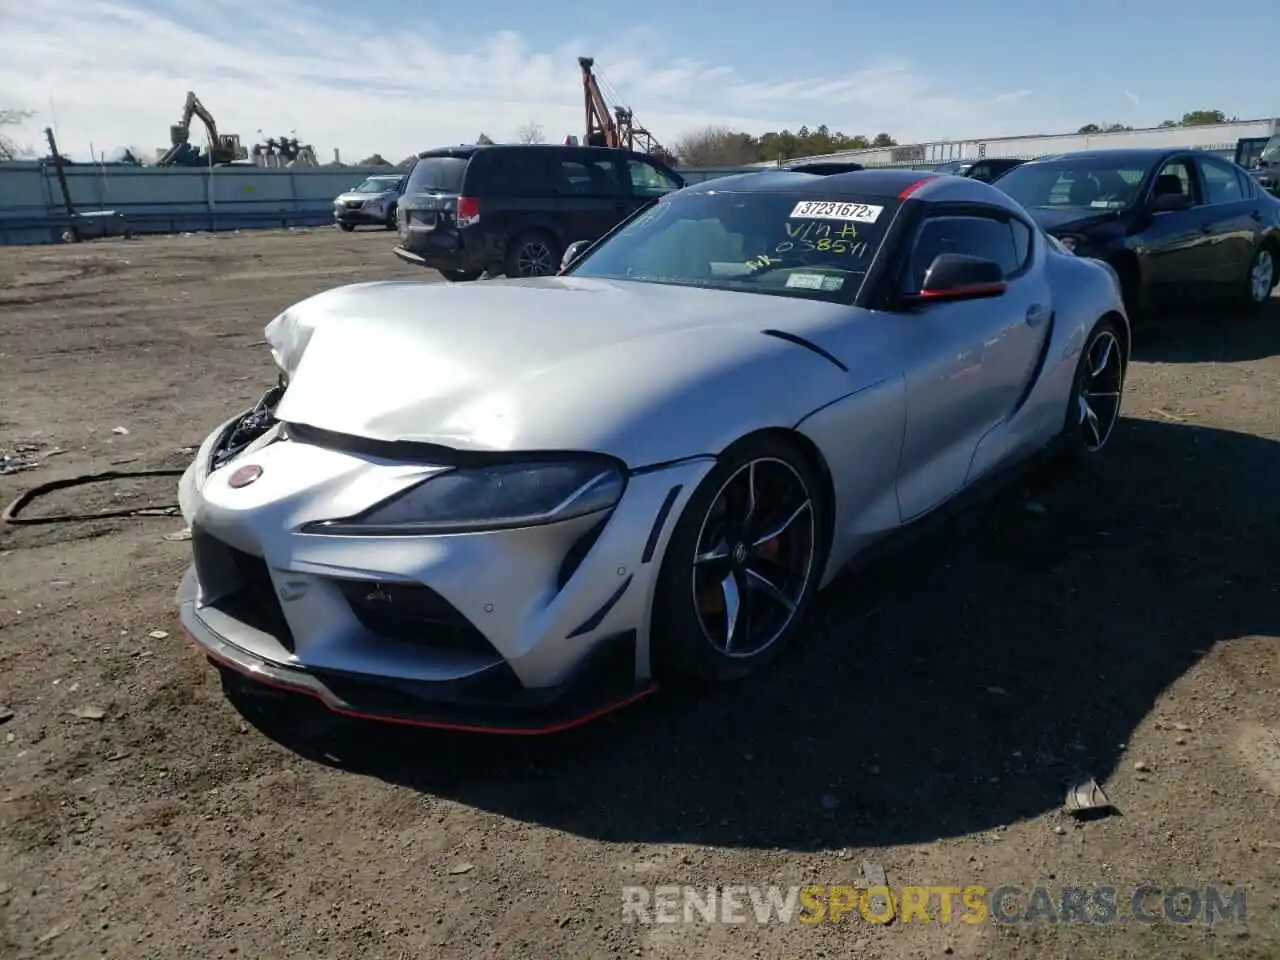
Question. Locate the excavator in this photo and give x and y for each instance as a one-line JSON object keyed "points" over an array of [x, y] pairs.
{"points": [[223, 148], [618, 130]]}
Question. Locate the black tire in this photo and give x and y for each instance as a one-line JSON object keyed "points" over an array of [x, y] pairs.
{"points": [[461, 276], [391, 219], [683, 622], [1256, 288], [1080, 441], [346, 227], [529, 248]]}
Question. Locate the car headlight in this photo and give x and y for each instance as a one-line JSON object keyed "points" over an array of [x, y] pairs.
{"points": [[501, 496]]}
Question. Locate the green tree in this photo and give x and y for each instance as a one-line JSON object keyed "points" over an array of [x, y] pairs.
{"points": [[1197, 118]]}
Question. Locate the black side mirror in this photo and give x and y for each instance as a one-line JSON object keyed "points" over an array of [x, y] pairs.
{"points": [[958, 276], [572, 252], [1170, 202]]}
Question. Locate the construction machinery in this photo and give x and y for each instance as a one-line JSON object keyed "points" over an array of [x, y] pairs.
{"points": [[616, 127], [223, 147], [284, 152]]}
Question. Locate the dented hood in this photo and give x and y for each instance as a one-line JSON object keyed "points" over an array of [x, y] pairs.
{"points": [[642, 371]]}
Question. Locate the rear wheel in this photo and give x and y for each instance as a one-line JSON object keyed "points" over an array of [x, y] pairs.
{"points": [[532, 254], [1096, 394], [461, 276], [742, 564], [1261, 278]]}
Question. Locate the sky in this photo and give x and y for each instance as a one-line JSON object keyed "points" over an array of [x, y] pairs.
{"points": [[402, 76]]}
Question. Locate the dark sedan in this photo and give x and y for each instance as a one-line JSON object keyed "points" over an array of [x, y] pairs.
{"points": [[1173, 223], [988, 170]]}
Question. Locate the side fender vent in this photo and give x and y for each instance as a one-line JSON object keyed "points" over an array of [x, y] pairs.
{"points": [[806, 344]]}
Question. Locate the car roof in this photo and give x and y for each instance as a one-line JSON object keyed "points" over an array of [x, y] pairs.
{"points": [[1144, 155], [471, 148], [877, 183]]}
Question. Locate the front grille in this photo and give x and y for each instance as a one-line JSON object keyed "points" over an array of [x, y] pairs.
{"points": [[413, 613], [354, 204]]}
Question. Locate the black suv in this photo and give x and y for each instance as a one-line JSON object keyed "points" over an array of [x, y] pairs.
{"points": [[513, 209]]}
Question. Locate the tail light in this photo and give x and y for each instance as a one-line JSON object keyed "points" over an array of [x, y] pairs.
{"points": [[468, 211]]}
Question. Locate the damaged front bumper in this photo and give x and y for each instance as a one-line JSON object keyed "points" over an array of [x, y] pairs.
{"points": [[488, 632]]}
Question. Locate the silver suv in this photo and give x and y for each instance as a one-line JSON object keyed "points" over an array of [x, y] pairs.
{"points": [[371, 202]]}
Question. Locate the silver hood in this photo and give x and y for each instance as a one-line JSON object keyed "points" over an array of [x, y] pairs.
{"points": [[645, 372]]}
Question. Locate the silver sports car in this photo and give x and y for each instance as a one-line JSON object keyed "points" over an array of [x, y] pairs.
{"points": [[516, 504]]}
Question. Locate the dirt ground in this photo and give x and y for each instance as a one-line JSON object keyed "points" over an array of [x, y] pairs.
{"points": [[1124, 627]]}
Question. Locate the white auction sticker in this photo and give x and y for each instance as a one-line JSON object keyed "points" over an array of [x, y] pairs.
{"points": [[836, 210]]}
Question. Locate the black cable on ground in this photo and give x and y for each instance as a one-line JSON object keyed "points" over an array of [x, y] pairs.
{"points": [[10, 514]]}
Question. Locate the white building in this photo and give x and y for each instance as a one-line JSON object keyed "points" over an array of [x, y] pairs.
{"points": [[1214, 136]]}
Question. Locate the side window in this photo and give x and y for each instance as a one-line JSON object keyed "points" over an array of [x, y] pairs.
{"points": [[1221, 185], [973, 236], [648, 181], [514, 175], [980, 171], [589, 178], [1175, 170]]}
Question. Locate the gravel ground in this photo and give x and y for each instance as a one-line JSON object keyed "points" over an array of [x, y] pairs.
{"points": [[1124, 627]]}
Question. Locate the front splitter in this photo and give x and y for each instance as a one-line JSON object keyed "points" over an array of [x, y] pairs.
{"points": [[577, 705]]}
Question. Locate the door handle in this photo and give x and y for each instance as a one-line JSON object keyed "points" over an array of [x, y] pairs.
{"points": [[1036, 314]]}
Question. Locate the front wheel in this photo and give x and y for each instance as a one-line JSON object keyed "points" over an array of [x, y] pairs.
{"points": [[1096, 393], [346, 227], [742, 564]]}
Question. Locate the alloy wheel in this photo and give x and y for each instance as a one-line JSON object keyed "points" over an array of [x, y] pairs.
{"points": [[755, 557], [1101, 387], [535, 259], [1262, 276]]}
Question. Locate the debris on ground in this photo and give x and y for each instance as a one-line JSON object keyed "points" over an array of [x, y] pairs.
{"points": [[88, 712], [460, 868], [5, 714], [878, 904], [158, 634], [177, 535], [123, 431], [1087, 800], [21, 457]]}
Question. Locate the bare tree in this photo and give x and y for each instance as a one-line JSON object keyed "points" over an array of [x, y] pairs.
{"points": [[376, 160], [531, 132], [9, 148], [716, 147]]}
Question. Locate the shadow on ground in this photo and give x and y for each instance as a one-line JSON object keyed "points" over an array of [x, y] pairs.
{"points": [[1199, 334], [954, 688]]}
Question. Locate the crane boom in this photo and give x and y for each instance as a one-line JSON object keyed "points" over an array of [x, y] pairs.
{"points": [[616, 128], [222, 148]]}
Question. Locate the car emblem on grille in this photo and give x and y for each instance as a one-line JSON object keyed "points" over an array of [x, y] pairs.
{"points": [[244, 476]]}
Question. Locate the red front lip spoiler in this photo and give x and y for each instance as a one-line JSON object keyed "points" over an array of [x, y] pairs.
{"points": [[531, 727]]}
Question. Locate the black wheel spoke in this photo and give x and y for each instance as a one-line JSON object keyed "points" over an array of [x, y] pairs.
{"points": [[1101, 386], [754, 557]]}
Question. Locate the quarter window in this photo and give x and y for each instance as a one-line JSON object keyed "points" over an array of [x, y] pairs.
{"points": [[974, 236], [1221, 185]]}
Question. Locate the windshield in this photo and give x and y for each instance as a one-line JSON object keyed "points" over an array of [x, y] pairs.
{"points": [[817, 247], [1271, 152], [377, 185], [437, 174], [1075, 184], [955, 166]]}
